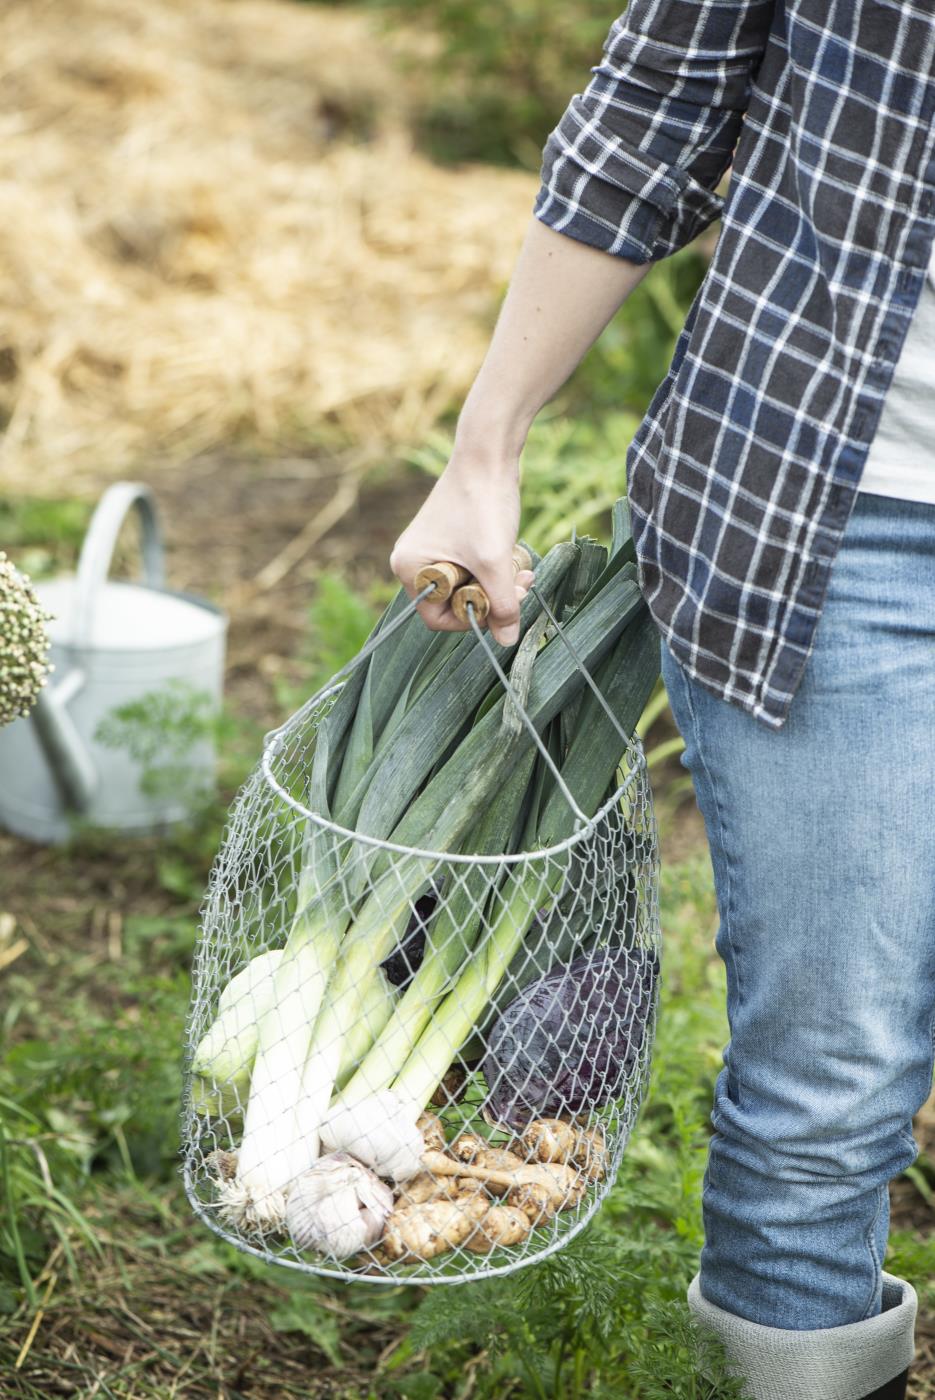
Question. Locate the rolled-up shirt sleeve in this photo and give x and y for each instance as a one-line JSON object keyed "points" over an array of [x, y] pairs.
{"points": [[633, 164]]}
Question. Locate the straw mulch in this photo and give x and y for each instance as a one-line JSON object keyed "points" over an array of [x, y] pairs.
{"points": [[215, 231]]}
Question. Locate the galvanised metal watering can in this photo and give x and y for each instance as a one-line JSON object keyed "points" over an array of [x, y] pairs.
{"points": [[120, 650]]}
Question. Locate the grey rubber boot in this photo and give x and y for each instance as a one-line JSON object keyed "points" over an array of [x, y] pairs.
{"points": [[865, 1360]]}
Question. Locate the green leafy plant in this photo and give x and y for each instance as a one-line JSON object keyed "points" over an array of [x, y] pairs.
{"points": [[41, 1164], [679, 1359], [591, 1320], [631, 357], [572, 472], [45, 535], [160, 731]]}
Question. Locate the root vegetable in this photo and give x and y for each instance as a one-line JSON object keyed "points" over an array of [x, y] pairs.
{"points": [[425, 1231], [469, 1186], [554, 1140], [563, 1183], [468, 1146], [500, 1226], [550, 1140], [497, 1159], [537, 1202], [432, 1131], [430, 1188], [420, 1189], [591, 1152]]}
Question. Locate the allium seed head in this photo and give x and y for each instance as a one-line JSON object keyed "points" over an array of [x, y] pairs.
{"points": [[24, 643]]}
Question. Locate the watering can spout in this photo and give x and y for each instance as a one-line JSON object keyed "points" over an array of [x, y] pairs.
{"points": [[65, 750]]}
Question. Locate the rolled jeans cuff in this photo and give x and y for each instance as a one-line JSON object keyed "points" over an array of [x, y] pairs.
{"points": [[827, 1363]]}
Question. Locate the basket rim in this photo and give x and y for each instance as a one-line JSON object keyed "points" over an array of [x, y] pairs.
{"points": [[274, 742], [325, 1270]]}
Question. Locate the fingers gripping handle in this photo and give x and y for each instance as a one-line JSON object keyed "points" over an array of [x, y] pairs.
{"points": [[473, 593], [457, 583]]}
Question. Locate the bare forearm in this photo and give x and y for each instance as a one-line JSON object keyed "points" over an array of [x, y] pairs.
{"points": [[561, 296]]}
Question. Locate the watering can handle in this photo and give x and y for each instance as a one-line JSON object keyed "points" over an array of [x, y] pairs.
{"points": [[97, 551]]}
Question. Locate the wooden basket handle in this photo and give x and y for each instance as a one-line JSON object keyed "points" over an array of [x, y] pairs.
{"points": [[457, 583], [446, 578]]}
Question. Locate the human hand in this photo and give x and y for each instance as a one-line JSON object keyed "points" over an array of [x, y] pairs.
{"points": [[470, 517]]}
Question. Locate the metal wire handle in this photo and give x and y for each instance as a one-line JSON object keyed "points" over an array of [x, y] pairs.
{"points": [[580, 817], [573, 651]]}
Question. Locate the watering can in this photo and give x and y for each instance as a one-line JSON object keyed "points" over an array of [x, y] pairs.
{"points": [[121, 652]]}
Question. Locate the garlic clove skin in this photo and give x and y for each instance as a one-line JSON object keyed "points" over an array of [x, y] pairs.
{"points": [[381, 1131], [338, 1207]]}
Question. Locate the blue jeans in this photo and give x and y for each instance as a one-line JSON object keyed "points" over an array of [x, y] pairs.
{"points": [[822, 838]]}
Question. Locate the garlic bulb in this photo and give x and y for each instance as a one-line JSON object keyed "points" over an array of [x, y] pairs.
{"points": [[380, 1131], [337, 1207]]}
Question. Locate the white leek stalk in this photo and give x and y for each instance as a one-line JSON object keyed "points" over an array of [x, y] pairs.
{"points": [[280, 1140], [228, 1046], [365, 946], [224, 1059]]}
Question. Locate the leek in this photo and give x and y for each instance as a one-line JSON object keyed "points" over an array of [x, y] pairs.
{"points": [[224, 1058], [482, 757], [383, 918], [449, 941], [589, 770]]}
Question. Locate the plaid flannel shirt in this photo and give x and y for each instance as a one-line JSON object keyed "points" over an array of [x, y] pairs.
{"points": [[745, 468]]}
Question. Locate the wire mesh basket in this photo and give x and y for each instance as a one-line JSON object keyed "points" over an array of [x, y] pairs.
{"points": [[409, 1064]]}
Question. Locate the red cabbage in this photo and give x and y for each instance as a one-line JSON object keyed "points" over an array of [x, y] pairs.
{"points": [[568, 1041]]}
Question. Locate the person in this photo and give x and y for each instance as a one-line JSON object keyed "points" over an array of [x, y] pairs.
{"points": [[782, 492]]}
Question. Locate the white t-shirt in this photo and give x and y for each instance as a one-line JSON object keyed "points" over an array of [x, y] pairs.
{"points": [[901, 460]]}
